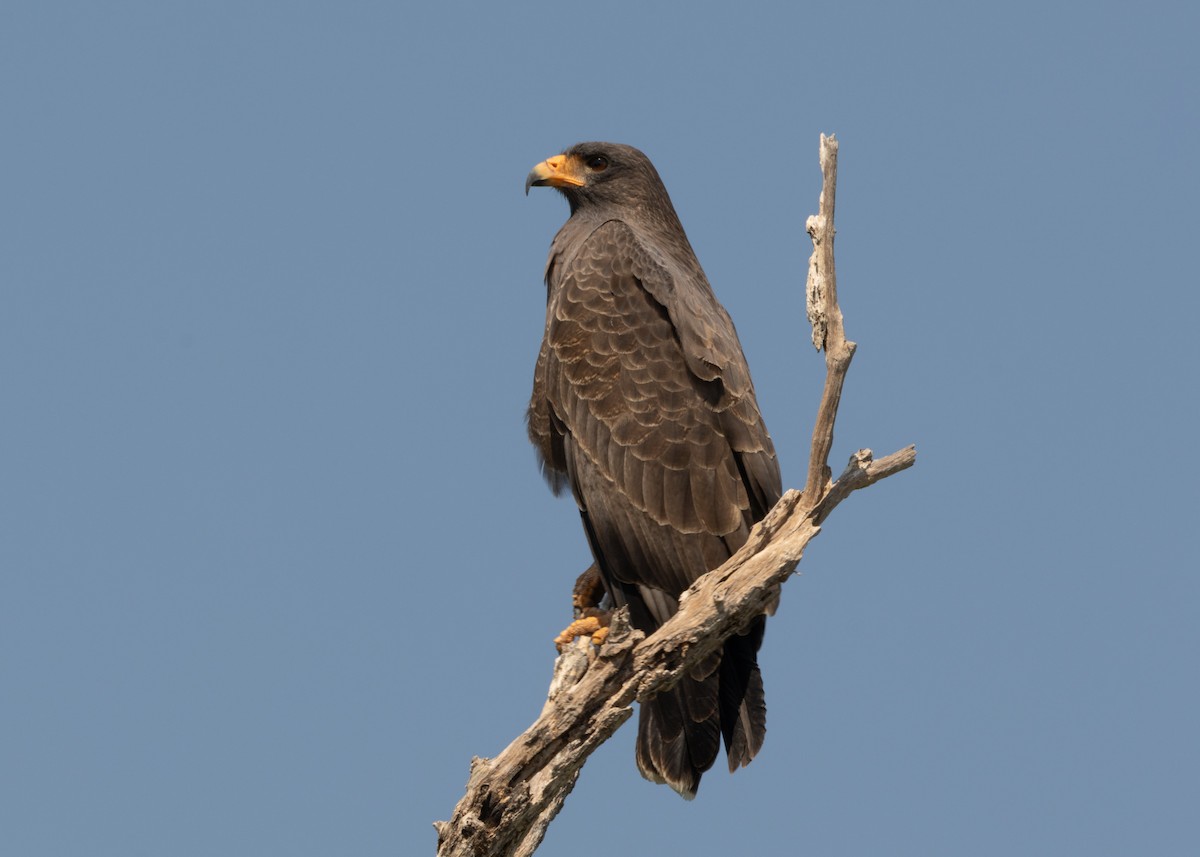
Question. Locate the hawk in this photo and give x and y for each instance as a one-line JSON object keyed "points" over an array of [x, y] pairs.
{"points": [[643, 405]]}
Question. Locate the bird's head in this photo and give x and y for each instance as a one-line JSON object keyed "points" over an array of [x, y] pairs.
{"points": [[599, 174]]}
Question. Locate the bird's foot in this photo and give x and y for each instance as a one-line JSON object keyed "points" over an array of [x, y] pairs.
{"points": [[595, 624]]}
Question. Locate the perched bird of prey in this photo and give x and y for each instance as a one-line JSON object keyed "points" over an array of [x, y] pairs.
{"points": [[642, 403]]}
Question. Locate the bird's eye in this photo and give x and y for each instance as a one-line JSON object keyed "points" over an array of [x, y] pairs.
{"points": [[597, 163]]}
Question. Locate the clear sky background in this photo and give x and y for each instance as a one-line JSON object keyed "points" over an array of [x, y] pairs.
{"points": [[275, 558]]}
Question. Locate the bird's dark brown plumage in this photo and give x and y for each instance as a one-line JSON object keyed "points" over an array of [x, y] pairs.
{"points": [[642, 403]]}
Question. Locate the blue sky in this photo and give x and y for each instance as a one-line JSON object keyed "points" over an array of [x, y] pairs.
{"points": [[275, 559]]}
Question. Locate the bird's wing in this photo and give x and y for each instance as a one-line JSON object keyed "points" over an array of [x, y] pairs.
{"points": [[656, 446]]}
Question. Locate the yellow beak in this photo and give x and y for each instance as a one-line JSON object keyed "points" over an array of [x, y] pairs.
{"points": [[559, 171]]}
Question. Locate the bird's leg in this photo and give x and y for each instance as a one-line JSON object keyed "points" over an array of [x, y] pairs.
{"points": [[590, 618], [589, 591]]}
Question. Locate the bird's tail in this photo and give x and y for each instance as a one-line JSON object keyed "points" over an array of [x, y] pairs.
{"points": [[743, 703], [679, 730]]}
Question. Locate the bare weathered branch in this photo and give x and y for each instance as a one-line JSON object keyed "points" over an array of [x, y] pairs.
{"points": [[825, 315], [511, 799]]}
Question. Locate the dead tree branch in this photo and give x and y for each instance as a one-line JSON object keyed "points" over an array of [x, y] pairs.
{"points": [[825, 315], [512, 798]]}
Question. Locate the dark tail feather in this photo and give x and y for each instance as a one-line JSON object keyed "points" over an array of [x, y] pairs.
{"points": [[743, 704], [679, 731]]}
